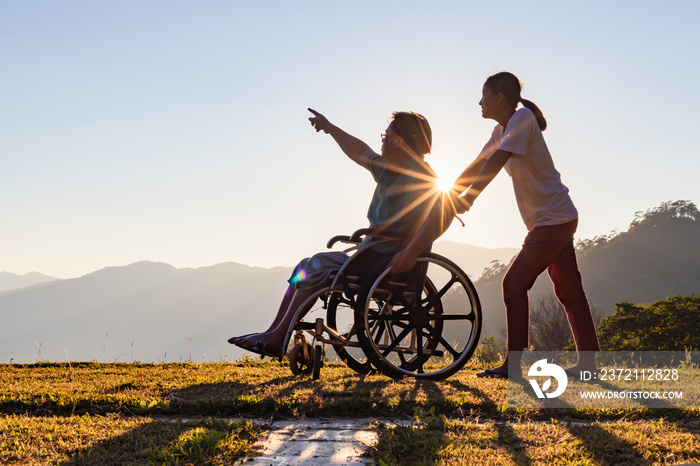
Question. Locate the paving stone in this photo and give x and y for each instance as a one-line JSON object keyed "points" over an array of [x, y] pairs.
{"points": [[316, 442]]}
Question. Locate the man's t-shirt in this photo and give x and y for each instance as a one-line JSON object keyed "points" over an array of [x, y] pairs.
{"points": [[404, 196]]}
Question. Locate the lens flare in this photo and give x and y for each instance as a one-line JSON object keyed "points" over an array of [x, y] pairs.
{"points": [[299, 277]]}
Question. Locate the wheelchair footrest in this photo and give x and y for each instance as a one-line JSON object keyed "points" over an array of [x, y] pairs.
{"points": [[301, 325]]}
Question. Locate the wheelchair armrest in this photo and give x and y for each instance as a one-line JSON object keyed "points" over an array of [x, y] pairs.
{"points": [[357, 236], [335, 239]]}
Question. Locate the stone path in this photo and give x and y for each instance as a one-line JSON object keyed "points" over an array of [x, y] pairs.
{"points": [[316, 442]]}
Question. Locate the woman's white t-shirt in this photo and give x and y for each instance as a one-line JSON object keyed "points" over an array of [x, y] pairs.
{"points": [[541, 196]]}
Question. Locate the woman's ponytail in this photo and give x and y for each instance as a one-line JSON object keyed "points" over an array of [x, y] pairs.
{"points": [[536, 110]]}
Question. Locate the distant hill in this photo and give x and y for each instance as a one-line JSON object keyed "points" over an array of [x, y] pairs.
{"points": [[186, 313], [657, 257], [10, 281], [473, 259]]}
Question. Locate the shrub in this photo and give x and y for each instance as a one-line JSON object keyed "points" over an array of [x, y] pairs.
{"points": [[667, 325]]}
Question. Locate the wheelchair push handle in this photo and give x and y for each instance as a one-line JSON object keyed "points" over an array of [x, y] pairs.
{"points": [[357, 237]]}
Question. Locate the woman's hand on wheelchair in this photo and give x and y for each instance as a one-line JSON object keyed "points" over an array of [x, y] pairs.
{"points": [[459, 204], [403, 261]]}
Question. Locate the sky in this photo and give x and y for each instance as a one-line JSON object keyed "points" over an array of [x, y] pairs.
{"points": [[177, 131]]}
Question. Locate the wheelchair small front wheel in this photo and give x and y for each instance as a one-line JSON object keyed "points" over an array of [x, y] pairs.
{"points": [[301, 359]]}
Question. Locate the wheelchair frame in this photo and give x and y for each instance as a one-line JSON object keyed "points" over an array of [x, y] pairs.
{"points": [[398, 321]]}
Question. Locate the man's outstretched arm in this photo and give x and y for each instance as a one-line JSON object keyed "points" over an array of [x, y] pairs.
{"points": [[355, 149]]}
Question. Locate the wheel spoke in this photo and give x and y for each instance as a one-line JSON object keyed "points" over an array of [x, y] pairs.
{"points": [[372, 326], [396, 341], [381, 326], [447, 286], [402, 358], [374, 317], [469, 317], [431, 332], [390, 331], [394, 317], [350, 332], [401, 324], [427, 308], [449, 347], [419, 347]]}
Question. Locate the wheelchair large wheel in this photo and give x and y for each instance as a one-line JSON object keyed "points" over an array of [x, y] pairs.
{"points": [[430, 336], [339, 316]]}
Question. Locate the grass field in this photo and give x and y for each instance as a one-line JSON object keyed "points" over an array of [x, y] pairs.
{"points": [[187, 413]]}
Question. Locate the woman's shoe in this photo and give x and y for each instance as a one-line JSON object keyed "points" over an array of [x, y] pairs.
{"points": [[492, 374], [498, 374]]}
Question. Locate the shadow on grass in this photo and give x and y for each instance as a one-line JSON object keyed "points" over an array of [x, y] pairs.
{"points": [[486, 403], [223, 398], [277, 398], [598, 444], [205, 441], [604, 447], [431, 434], [508, 437]]}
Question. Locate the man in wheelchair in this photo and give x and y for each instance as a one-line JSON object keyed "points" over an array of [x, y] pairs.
{"points": [[403, 199]]}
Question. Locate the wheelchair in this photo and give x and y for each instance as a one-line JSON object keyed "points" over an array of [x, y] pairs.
{"points": [[423, 324]]}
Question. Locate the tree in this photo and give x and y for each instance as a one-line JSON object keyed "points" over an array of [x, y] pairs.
{"points": [[549, 325], [667, 210], [667, 325]]}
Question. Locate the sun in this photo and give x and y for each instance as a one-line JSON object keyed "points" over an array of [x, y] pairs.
{"points": [[445, 174], [443, 184]]}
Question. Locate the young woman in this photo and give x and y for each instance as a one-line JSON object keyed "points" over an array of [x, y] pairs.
{"points": [[551, 218]]}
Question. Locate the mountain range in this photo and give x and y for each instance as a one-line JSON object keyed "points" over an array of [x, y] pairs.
{"points": [[11, 281], [150, 311]]}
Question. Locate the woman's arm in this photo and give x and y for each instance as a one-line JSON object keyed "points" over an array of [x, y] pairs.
{"points": [[355, 149], [468, 176], [488, 172]]}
